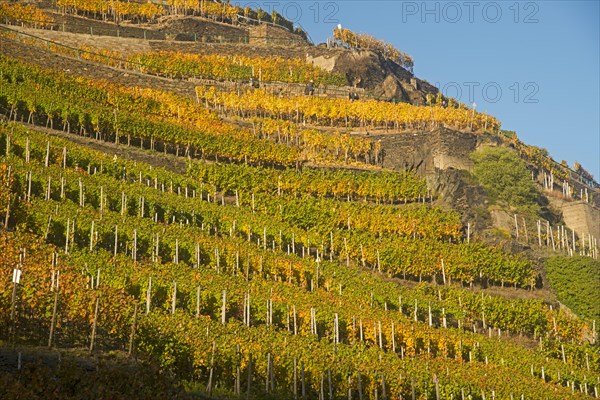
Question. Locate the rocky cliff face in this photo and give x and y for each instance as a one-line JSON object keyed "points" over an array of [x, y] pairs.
{"points": [[424, 152], [381, 77], [442, 158], [456, 190]]}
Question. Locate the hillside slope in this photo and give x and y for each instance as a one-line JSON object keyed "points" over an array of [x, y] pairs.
{"points": [[182, 219]]}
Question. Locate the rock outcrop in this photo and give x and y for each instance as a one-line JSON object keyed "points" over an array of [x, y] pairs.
{"points": [[371, 71]]}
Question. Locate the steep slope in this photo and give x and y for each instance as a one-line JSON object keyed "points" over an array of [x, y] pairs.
{"points": [[376, 75], [258, 242]]}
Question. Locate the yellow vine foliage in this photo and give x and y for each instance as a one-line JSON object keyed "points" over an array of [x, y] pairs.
{"points": [[148, 10], [317, 146], [236, 67], [344, 112], [363, 41], [222, 10], [167, 106], [22, 12]]}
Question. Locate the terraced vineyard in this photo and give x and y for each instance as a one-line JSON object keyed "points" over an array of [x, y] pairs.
{"points": [[285, 262], [128, 234]]}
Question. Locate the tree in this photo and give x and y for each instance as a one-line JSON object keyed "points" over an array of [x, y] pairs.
{"points": [[505, 177]]}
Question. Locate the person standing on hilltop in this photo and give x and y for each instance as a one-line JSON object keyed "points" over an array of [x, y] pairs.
{"points": [[309, 90]]}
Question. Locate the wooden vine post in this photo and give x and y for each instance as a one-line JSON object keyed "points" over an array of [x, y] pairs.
{"points": [[238, 376], [133, 328], [436, 382], [93, 336], [295, 388], [223, 307], [198, 289], [54, 287], [209, 386], [303, 380], [174, 297], [249, 384], [15, 281], [148, 295], [360, 388]]}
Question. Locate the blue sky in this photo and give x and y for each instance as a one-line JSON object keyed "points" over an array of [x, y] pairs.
{"points": [[543, 56]]}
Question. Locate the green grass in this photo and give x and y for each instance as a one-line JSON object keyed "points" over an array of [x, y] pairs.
{"points": [[577, 284]]}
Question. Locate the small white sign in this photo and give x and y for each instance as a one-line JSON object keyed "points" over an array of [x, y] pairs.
{"points": [[16, 275]]}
